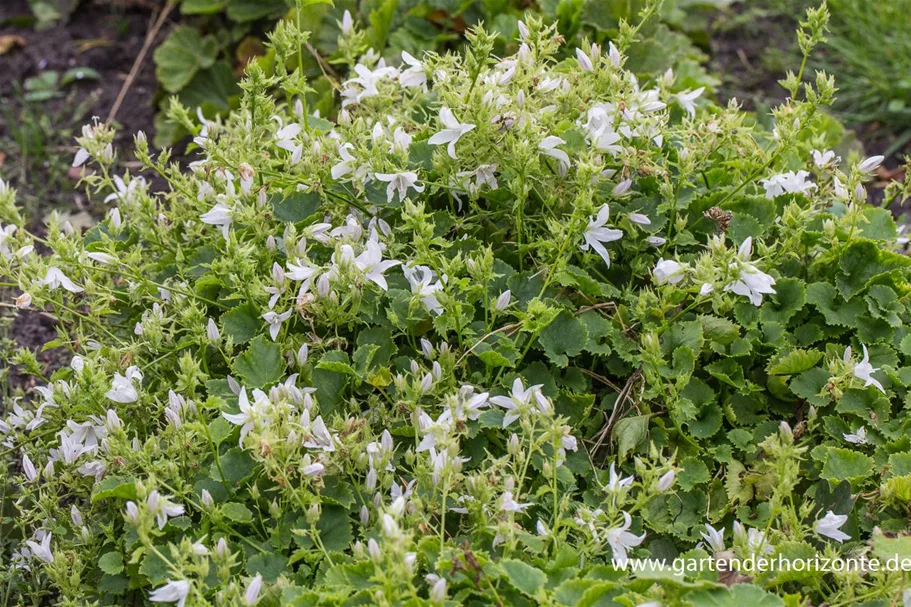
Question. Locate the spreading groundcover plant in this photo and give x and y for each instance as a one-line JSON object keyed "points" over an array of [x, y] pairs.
{"points": [[505, 326]]}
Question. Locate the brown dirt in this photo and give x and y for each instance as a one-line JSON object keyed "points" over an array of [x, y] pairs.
{"points": [[105, 36]]}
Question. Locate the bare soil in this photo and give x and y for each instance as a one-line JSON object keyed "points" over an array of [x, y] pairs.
{"points": [[106, 37]]}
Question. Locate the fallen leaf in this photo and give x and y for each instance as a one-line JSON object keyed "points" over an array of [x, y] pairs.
{"points": [[9, 42]]}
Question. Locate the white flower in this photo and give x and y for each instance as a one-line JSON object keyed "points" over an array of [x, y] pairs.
{"points": [[596, 234], [162, 508], [870, 164], [668, 271], [251, 594], [503, 300], [371, 263], [174, 591], [122, 388], [55, 279], [640, 219], [585, 61], [82, 155], [753, 283], [347, 159], [401, 141], [104, 258], [790, 182], [29, 468], [666, 481], [714, 538], [857, 438], [124, 191], [687, 100], [367, 80], [424, 287], [864, 370], [212, 331], [548, 147], [399, 182], [830, 526], [219, 215], [615, 482], [248, 414], [275, 321], [285, 139], [414, 75], [621, 540], [453, 131], [519, 400], [42, 551], [823, 159], [438, 591], [656, 241], [508, 504], [347, 23]]}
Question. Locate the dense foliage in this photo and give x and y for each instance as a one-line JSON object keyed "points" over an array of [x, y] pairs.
{"points": [[196, 61], [503, 326]]}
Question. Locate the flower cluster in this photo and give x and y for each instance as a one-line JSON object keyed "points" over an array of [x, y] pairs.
{"points": [[500, 327]]}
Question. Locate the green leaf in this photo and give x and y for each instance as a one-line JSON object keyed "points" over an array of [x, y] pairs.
{"points": [[865, 261], [739, 595], [121, 487], [261, 364], [795, 361], [825, 297], [202, 7], [298, 206], [719, 330], [564, 337], [269, 565], [251, 10], [242, 322], [846, 465], [236, 464], [693, 472], [894, 548], [183, 53], [237, 512], [111, 562], [629, 432], [334, 528], [154, 568], [337, 362], [79, 74], [523, 576], [728, 371]]}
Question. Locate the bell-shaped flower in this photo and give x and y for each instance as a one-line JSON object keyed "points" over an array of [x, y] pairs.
{"points": [[752, 282], [790, 182], [275, 321], [596, 234], [616, 482], [174, 591], [54, 279], [453, 131], [548, 147], [415, 74], [687, 100], [714, 538], [621, 540], [668, 271], [371, 263], [399, 182], [864, 370], [830, 526]]}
